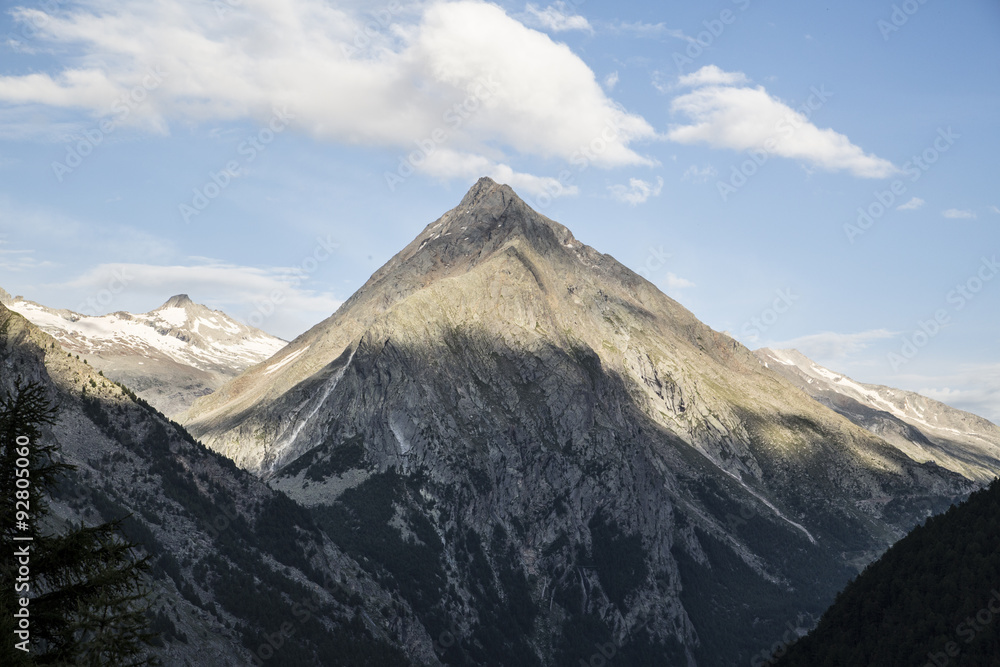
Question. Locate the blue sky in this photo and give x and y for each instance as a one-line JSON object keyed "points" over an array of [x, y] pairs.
{"points": [[822, 177]]}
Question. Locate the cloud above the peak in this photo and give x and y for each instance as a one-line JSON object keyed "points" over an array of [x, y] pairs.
{"points": [[464, 68], [724, 111], [637, 191]]}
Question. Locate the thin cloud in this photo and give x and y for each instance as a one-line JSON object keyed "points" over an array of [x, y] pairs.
{"points": [[241, 291], [611, 80], [911, 205], [831, 345], [649, 30], [696, 174], [959, 214], [557, 17], [675, 282], [725, 114], [637, 191]]}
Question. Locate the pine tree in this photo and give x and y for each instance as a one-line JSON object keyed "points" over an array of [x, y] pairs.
{"points": [[88, 602]]}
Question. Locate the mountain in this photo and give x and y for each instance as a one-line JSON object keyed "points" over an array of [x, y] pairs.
{"points": [[168, 356], [552, 461], [932, 599], [241, 575], [922, 428]]}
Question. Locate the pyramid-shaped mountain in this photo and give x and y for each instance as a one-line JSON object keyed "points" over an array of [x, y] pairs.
{"points": [[547, 457]]}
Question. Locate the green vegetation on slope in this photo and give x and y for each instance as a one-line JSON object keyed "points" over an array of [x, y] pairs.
{"points": [[932, 599]]}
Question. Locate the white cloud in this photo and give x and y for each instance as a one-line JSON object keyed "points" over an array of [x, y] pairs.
{"points": [[342, 84], [911, 205], [995, 209], [712, 75], [611, 80], [959, 214], [240, 291], [557, 18], [637, 191], [971, 387], [650, 30], [830, 345], [675, 282], [447, 164], [738, 117], [697, 174]]}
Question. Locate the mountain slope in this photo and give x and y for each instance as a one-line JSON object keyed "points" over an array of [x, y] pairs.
{"points": [[169, 356], [924, 429], [932, 599], [241, 575], [539, 451]]}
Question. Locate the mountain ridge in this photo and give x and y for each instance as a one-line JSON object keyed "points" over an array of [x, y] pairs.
{"points": [[921, 427], [169, 355]]}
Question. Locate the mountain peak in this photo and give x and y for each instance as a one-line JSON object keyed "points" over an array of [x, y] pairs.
{"points": [[486, 191], [5, 296], [178, 301]]}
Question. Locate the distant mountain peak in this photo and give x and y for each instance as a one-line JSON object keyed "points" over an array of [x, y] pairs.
{"points": [[178, 301]]}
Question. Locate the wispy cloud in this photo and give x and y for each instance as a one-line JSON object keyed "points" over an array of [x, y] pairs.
{"points": [[831, 345], [637, 191], [724, 113], [239, 290], [911, 205], [675, 282], [959, 214], [611, 80], [649, 30], [557, 17], [696, 174]]}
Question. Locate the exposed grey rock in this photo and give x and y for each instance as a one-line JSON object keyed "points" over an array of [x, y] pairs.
{"points": [[534, 411]]}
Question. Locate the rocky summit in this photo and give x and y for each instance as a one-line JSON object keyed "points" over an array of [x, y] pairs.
{"points": [[550, 461]]}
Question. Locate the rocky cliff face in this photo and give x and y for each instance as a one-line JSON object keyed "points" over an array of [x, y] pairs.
{"points": [[920, 427], [547, 457], [241, 575], [169, 356]]}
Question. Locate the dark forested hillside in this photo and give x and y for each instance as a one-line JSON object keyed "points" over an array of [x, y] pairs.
{"points": [[932, 599]]}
